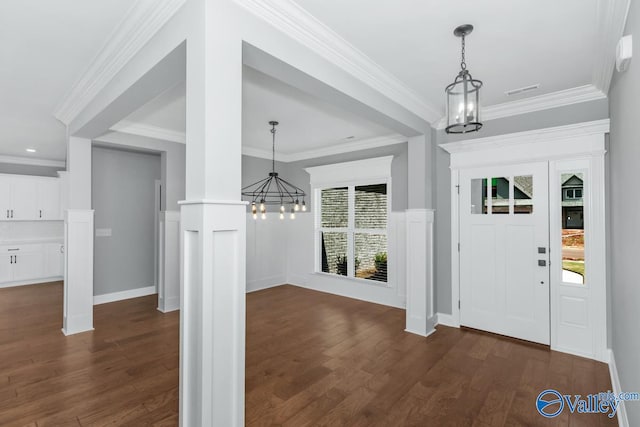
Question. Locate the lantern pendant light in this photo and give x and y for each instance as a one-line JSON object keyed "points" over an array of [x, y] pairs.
{"points": [[463, 95]]}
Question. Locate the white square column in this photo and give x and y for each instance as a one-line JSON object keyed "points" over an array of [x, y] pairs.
{"points": [[420, 313], [212, 320], [78, 239], [213, 224]]}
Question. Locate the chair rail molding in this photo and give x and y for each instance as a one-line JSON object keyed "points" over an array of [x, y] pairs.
{"points": [[142, 21]]}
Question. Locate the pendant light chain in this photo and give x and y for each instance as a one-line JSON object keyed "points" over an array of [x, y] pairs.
{"points": [[463, 64], [273, 148]]}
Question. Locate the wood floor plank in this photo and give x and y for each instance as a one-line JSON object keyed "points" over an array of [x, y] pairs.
{"points": [[311, 359]]}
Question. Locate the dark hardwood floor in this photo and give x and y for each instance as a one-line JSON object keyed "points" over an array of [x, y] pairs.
{"points": [[312, 359]]}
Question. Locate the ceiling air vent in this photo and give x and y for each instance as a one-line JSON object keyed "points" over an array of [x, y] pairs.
{"points": [[522, 89]]}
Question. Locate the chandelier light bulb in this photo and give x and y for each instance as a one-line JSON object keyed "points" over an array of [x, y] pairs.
{"points": [[297, 206], [282, 208], [255, 215], [293, 214], [304, 206], [253, 208], [281, 215], [264, 215]]}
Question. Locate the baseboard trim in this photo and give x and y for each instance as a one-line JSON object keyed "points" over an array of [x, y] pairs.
{"points": [[77, 324], [31, 282], [119, 296], [171, 304], [623, 421], [266, 283], [447, 320]]}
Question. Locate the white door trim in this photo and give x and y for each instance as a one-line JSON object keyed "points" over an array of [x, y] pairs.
{"points": [[582, 140]]}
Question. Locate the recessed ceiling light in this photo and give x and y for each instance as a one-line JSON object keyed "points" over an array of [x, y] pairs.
{"points": [[522, 89], [31, 150]]}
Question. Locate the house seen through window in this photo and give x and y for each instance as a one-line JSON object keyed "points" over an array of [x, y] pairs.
{"points": [[353, 231]]}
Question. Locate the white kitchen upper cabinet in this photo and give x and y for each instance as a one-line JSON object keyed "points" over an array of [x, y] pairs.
{"points": [[29, 198], [5, 198], [49, 199], [24, 199]]}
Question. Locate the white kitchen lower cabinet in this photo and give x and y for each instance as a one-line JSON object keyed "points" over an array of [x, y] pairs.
{"points": [[30, 263]]}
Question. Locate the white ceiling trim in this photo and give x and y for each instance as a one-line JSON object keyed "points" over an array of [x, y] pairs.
{"points": [[297, 23], [348, 147], [141, 23], [149, 131], [596, 127], [560, 98], [32, 161], [612, 17]]}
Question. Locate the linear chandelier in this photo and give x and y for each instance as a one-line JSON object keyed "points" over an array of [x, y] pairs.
{"points": [[274, 190]]}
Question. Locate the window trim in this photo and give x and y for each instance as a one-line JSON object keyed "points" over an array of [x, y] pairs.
{"points": [[350, 230]]}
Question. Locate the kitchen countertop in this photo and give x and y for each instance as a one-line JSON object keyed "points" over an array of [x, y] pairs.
{"points": [[32, 241]]}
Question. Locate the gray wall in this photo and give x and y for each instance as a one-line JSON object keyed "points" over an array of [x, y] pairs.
{"points": [[172, 158], [624, 157], [577, 113], [123, 196], [30, 170]]}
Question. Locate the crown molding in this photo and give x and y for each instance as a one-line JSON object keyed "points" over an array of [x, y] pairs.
{"points": [[362, 144], [611, 20], [142, 21], [560, 98], [291, 19], [596, 127], [150, 131], [32, 161]]}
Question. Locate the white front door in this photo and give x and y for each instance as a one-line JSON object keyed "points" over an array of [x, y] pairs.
{"points": [[504, 250]]}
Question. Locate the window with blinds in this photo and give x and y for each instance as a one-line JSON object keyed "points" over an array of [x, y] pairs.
{"points": [[352, 231]]}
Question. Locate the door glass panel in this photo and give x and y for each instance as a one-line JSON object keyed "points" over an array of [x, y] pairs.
{"points": [[573, 265], [500, 195], [334, 253], [335, 207], [371, 256], [523, 194], [479, 196]]}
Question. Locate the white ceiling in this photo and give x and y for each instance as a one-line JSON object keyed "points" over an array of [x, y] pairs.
{"points": [[514, 43], [548, 42], [46, 46], [306, 122]]}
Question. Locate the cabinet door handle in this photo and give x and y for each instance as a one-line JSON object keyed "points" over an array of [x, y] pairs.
{"points": [[11, 213], [11, 259], [40, 213], [15, 259]]}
